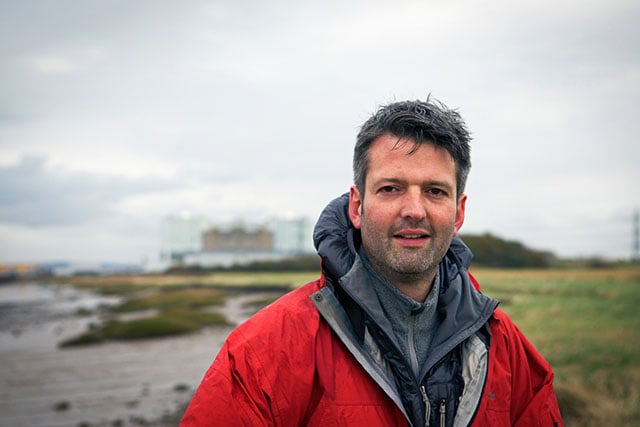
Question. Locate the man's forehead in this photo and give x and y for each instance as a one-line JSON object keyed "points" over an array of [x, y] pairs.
{"points": [[390, 144]]}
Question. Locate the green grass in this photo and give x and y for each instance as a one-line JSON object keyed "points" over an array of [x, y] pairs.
{"points": [[586, 324], [174, 297], [171, 322], [179, 311], [179, 300]]}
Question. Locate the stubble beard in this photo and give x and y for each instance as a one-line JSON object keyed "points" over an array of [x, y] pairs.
{"points": [[405, 265]]}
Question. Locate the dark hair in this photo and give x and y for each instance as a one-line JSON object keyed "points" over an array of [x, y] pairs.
{"points": [[422, 122]]}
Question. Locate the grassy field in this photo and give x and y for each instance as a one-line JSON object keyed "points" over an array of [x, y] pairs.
{"points": [[585, 323]]}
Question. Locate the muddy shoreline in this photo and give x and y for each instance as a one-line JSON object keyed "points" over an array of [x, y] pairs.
{"points": [[147, 382]]}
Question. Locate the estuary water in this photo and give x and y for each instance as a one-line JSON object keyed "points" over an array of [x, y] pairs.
{"points": [[146, 382]]}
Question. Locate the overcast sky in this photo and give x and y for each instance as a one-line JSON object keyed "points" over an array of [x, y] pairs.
{"points": [[114, 114]]}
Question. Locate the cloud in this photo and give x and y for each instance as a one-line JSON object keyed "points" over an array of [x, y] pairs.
{"points": [[113, 114], [33, 193]]}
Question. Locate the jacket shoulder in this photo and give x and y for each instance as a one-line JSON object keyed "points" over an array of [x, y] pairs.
{"points": [[262, 364], [293, 311], [519, 380], [508, 341]]}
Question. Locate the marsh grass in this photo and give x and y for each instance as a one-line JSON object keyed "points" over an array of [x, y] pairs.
{"points": [[177, 310], [174, 297], [586, 324], [172, 322], [180, 303]]}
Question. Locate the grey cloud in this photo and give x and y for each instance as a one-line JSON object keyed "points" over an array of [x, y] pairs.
{"points": [[267, 97], [36, 195]]}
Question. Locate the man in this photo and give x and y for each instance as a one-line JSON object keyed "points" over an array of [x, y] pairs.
{"points": [[395, 331]]}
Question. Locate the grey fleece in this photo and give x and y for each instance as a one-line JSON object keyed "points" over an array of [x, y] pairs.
{"points": [[413, 323]]}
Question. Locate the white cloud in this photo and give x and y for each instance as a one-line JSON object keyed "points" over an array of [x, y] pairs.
{"points": [[64, 61], [50, 64], [94, 242]]}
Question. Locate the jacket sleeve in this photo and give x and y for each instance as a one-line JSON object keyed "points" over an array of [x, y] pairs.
{"points": [[231, 392], [264, 373], [519, 382], [533, 381]]}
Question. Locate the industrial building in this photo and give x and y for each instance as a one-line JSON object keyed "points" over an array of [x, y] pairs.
{"points": [[189, 240]]}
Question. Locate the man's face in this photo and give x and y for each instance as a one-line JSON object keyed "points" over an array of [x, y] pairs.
{"points": [[409, 212]]}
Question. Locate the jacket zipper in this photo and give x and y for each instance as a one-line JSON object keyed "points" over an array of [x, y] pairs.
{"points": [[413, 354], [427, 406], [443, 413]]}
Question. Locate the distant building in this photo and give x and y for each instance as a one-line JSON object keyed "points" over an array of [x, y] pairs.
{"points": [[292, 235], [180, 235], [9, 272], [237, 239], [230, 258], [190, 240]]}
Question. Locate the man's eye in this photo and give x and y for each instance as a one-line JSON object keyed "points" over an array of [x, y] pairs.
{"points": [[387, 189], [436, 192]]}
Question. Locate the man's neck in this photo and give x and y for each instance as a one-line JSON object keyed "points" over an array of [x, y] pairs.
{"points": [[414, 289], [415, 286]]}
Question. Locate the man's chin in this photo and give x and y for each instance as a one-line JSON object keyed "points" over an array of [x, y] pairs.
{"points": [[417, 268]]}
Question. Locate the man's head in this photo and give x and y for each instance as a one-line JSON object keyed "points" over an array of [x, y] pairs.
{"points": [[422, 122], [411, 163]]}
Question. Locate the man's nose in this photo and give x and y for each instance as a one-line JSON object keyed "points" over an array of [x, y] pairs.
{"points": [[413, 205]]}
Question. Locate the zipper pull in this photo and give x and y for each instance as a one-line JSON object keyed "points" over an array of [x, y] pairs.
{"points": [[443, 413], [427, 406]]}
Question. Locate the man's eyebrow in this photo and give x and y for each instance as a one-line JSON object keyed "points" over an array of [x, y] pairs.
{"points": [[388, 181], [435, 183], [427, 183]]}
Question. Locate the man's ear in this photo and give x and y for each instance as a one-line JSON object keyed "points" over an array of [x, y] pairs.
{"points": [[355, 206], [462, 203]]}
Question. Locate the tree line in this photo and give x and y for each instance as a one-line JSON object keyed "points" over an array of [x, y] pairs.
{"points": [[492, 251]]}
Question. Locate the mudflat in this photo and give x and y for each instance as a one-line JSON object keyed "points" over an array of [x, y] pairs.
{"points": [[143, 382]]}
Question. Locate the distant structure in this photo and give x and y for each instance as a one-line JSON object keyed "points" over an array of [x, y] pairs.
{"points": [[10, 272], [188, 240], [636, 237], [292, 235], [181, 235], [237, 239]]}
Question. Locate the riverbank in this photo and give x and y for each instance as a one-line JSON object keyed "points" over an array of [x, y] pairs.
{"points": [[129, 383]]}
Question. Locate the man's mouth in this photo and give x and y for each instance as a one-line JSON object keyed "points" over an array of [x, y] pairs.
{"points": [[416, 236]]}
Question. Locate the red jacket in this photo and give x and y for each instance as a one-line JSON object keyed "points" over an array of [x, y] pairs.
{"points": [[254, 381]]}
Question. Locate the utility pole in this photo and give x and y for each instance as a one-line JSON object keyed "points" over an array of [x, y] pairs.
{"points": [[636, 237]]}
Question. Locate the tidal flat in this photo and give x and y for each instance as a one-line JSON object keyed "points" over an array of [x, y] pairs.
{"points": [[109, 383]]}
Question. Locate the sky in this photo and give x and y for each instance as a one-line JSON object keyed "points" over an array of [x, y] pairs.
{"points": [[115, 114]]}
